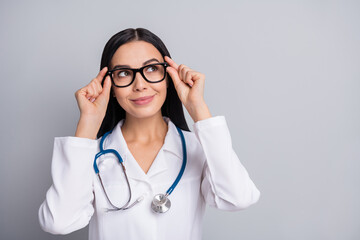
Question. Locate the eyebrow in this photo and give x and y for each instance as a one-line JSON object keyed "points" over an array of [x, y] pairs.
{"points": [[144, 63]]}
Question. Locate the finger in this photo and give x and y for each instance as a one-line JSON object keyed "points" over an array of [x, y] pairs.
{"points": [[198, 79], [89, 92], [83, 94], [186, 75], [97, 86], [94, 90], [104, 95], [174, 76], [80, 94], [171, 62], [101, 75], [189, 78], [182, 71]]}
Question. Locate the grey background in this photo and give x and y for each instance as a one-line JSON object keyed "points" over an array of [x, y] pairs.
{"points": [[284, 73]]}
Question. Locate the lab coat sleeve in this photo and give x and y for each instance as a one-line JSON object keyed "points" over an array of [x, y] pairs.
{"points": [[68, 204], [225, 183]]}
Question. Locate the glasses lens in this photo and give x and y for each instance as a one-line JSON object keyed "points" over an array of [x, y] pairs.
{"points": [[122, 77], [154, 73]]}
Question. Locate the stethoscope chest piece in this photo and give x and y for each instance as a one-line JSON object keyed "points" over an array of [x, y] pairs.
{"points": [[161, 203]]}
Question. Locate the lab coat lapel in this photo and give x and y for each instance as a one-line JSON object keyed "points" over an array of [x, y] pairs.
{"points": [[116, 141], [172, 143]]}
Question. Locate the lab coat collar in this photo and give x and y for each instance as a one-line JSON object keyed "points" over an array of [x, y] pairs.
{"points": [[172, 141], [172, 144]]}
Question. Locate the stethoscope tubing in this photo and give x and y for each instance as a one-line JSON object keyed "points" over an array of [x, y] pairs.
{"points": [[116, 153], [173, 186]]}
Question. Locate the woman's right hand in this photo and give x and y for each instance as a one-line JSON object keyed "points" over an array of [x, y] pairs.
{"points": [[92, 101]]}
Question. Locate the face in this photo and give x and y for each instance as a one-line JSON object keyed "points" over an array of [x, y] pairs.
{"points": [[141, 99]]}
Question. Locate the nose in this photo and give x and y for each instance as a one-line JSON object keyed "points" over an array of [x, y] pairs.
{"points": [[140, 83]]}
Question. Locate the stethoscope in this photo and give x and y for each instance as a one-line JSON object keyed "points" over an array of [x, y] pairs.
{"points": [[160, 203]]}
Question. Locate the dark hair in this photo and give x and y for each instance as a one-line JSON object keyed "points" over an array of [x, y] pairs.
{"points": [[172, 106]]}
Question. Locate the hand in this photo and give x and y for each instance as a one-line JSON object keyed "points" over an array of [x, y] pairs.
{"points": [[189, 85], [92, 101]]}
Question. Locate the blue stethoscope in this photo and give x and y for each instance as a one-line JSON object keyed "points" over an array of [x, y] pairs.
{"points": [[161, 202]]}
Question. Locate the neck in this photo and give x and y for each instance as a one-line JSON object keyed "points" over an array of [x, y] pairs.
{"points": [[144, 129]]}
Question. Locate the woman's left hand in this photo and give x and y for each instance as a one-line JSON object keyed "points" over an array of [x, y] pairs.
{"points": [[189, 86]]}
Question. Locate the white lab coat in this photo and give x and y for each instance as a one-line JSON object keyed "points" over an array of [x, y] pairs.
{"points": [[213, 176]]}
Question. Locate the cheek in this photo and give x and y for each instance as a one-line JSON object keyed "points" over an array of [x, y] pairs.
{"points": [[162, 92], [164, 89], [120, 96]]}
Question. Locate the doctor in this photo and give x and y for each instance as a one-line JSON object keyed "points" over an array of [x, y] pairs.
{"points": [[136, 100]]}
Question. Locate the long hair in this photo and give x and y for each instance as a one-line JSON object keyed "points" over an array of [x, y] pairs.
{"points": [[172, 107]]}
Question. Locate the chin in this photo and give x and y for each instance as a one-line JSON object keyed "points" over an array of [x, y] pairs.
{"points": [[144, 113]]}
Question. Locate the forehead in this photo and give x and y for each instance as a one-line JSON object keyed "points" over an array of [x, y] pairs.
{"points": [[135, 54]]}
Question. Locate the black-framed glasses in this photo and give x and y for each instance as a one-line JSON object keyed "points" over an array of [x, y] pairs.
{"points": [[152, 73]]}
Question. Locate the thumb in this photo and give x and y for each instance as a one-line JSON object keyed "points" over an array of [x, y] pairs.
{"points": [[174, 76], [105, 93]]}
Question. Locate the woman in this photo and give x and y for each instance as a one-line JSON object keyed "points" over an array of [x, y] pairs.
{"points": [[139, 114]]}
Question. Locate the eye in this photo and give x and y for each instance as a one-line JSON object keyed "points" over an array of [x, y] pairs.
{"points": [[151, 69], [123, 73]]}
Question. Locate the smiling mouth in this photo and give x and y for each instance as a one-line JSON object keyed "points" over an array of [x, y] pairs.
{"points": [[143, 100]]}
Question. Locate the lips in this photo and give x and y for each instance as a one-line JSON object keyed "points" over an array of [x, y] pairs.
{"points": [[142, 100]]}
